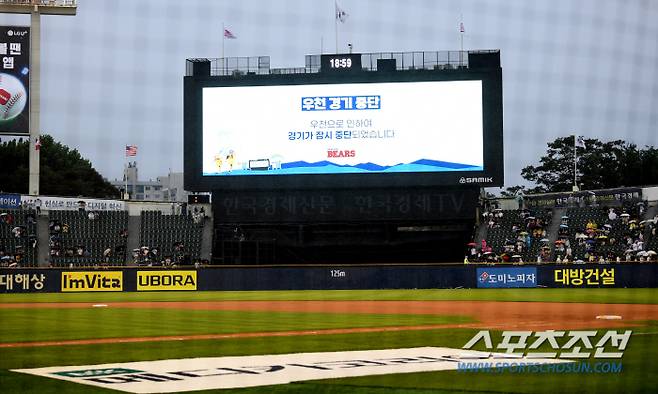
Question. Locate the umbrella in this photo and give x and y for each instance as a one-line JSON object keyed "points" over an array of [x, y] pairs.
{"points": [[651, 253], [523, 233], [565, 217], [487, 253], [607, 225], [564, 226], [471, 244], [624, 215], [632, 221], [641, 253], [497, 210], [603, 237], [545, 240], [581, 236], [530, 218]]}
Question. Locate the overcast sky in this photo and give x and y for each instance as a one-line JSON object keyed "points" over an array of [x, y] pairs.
{"points": [[112, 75]]}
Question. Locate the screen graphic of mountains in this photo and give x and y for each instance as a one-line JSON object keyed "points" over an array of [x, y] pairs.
{"points": [[377, 167]]}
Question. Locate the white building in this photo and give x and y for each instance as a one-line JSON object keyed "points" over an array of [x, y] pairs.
{"points": [[164, 188]]}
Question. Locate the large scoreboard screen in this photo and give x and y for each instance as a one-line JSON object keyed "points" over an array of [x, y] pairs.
{"points": [[363, 129]]}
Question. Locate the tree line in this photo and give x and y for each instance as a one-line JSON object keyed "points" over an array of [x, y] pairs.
{"points": [[600, 165], [64, 172]]}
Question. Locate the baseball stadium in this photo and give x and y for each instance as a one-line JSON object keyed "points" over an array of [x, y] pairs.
{"points": [[338, 234]]}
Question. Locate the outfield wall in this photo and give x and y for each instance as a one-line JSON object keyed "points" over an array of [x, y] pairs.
{"points": [[327, 278]]}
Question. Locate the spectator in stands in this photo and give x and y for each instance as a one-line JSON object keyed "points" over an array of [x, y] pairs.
{"points": [[17, 231], [473, 251], [82, 206], [123, 233], [7, 218], [136, 255], [107, 255], [154, 255], [37, 205], [91, 215], [612, 215]]}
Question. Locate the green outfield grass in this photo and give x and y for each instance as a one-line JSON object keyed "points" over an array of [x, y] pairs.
{"points": [[593, 295], [639, 373], [65, 324]]}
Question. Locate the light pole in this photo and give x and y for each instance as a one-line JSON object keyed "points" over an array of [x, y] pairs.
{"points": [[35, 8]]}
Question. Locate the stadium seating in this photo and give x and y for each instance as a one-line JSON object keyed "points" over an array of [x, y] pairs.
{"points": [[21, 250], [587, 230], [77, 240], [502, 232], [175, 237]]}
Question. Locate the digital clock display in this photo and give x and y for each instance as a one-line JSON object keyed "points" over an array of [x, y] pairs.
{"points": [[340, 62]]}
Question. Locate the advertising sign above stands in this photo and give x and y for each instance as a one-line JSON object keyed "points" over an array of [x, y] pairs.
{"points": [[14, 80], [585, 198], [10, 201], [419, 204], [71, 203]]}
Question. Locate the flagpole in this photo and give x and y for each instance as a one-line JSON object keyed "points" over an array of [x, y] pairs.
{"points": [[223, 37], [575, 161], [461, 39], [461, 32], [336, 24], [125, 175]]}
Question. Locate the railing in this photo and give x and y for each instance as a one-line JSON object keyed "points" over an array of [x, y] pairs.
{"points": [[45, 3], [434, 60]]}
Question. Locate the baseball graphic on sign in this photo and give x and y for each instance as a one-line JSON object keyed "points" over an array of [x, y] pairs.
{"points": [[13, 97]]}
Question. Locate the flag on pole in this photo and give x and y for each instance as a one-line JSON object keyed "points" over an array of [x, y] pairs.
{"points": [[229, 35], [580, 142], [131, 150], [37, 144], [461, 27], [341, 15]]}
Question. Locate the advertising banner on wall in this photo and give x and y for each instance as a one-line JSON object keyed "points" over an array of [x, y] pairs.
{"points": [[14, 79], [507, 277], [71, 203], [10, 201]]}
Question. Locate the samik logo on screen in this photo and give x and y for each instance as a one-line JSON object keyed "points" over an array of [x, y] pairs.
{"points": [[332, 153]]}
